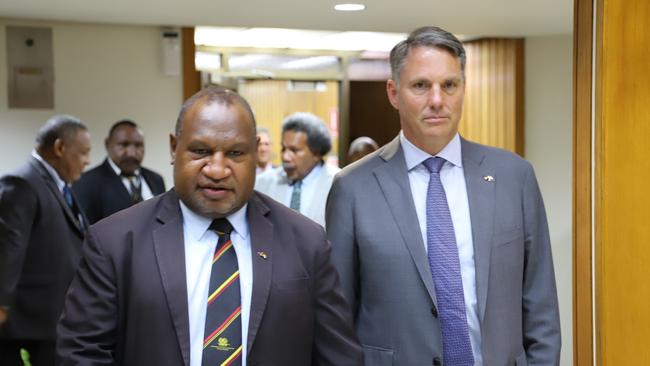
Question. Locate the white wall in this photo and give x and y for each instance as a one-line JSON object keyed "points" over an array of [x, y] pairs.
{"points": [[549, 139], [102, 73]]}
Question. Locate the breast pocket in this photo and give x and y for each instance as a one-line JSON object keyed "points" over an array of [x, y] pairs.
{"points": [[508, 236], [293, 284], [377, 356]]}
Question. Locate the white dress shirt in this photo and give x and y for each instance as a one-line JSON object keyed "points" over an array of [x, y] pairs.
{"points": [[200, 244], [145, 191], [60, 183], [307, 189], [50, 169], [453, 181]]}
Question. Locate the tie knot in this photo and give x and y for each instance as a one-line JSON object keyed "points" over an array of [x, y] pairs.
{"points": [[297, 183], [221, 226], [434, 164], [67, 194]]}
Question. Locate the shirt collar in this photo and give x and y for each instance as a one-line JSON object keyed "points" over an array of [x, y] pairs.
{"points": [[60, 183], [198, 225], [414, 156], [117, 169], [313, 174]]}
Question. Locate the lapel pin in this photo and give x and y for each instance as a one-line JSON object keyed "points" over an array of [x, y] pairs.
{"points": [[488, 178], [262, 255]]}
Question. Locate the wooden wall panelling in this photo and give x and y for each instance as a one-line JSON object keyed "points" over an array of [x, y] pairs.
{"points": [[622, 288], [583, 347], [272, 102], [191, 77], [493, 112]]}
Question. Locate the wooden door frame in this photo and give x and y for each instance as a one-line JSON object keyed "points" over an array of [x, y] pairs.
{"points": [[586, 179]]}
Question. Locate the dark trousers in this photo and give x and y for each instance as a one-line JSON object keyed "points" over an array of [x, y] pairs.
{"points": [[41, 353]]}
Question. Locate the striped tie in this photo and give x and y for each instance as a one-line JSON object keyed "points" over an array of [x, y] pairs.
{"points": [[222, 344]]}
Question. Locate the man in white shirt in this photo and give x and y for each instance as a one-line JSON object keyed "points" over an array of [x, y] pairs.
{"points": [[304, 180], [210, 272], [264, 151], [442, 244], [120, 181], [41, 231]]}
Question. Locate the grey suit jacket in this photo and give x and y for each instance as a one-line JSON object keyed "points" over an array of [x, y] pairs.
{"points": [[378, 250], [128, 302], [275, 184], [40, 248]]}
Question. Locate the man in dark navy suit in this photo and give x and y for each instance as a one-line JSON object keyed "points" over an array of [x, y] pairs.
{"points": [[41, 231], [210, 272], [120, 181]]}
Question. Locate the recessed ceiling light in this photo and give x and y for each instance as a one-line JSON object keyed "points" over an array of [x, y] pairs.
{"points": [[349, 7]]}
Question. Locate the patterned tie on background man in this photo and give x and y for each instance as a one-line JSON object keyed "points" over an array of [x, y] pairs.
{"points": [[295, 196], [135, 185], [67, 194], [445, 269], [222, 345]]}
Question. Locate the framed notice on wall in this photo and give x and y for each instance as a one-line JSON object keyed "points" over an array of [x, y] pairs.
{"points": [[30, 67]]}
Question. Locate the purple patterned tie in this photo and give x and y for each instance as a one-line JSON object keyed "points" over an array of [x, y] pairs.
{"points": [[445, 269]]}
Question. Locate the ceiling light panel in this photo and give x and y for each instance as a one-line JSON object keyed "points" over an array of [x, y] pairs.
{"points": [[296, 39], [349, 7]]}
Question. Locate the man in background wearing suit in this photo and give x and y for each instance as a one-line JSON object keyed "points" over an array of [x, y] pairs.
{"points": [[41, 231], [210, 272], [120, 181], [305, 180], [442, 244]]}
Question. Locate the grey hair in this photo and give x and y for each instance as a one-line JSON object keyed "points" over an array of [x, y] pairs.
{"points": [[213, 94], [432, 37], [60, 126], [264, 130], [318, 137]]}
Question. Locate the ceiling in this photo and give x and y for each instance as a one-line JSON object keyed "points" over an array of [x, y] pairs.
{"points": [[470, 18]]}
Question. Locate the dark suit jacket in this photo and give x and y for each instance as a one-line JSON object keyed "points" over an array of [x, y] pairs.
{"points": [[40, 247], [128, 303], [102, 193]]}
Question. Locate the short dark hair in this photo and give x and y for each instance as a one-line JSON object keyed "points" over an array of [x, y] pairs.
{"points": [[120, 123], [318, 137], [60, 126], [432, 37], [213, 94]]}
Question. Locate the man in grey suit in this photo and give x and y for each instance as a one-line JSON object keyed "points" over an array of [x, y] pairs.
{"points": [[304, 180], [442, 244], [41, 231]]}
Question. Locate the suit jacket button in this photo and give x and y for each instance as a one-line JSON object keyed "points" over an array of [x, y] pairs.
{"points": [[436, 361], [434, 311]]}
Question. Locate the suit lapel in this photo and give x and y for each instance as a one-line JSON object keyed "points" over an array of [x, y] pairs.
{"points": [[170, 254], [150, 178], [394, 182], [261, 231], [116, 185], [51, 185], [481, 197]]}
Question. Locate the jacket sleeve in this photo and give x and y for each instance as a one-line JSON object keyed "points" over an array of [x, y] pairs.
{"points": [[18, 211], [335, 341], [339, 218], [541, 319], [87, 328]]}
